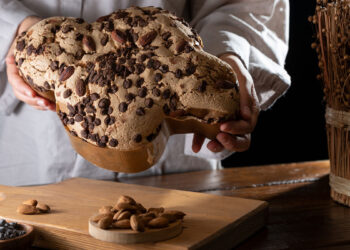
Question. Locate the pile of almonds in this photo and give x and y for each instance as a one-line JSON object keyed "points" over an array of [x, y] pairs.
{"points": [[32, 207], [129, 214]]}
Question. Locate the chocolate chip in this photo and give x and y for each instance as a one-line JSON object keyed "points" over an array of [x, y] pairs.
{"points": [[90, 109], [59, 51], [156, 92], [224, 84], [178, 73], [73, 133], [94, 96], [111, 120], [67, 93], [79, 37], [66, 73], [104, 111], [61, 68], [30, 49], [84, 133], [129, 97], [139, 82], [119, 36], [168, 43], [94, 137], [166, 35], [46, 85], [20, 45], [188, 48], [202, 86], [97, 122], [90, 118], [84, 125], [137, 138], [113, 142], [104, 139], [20, 61], [103, 18], [109, 26], [149, 102], [123, 106], [66, 28], [91, 127], [147, 38], [89, 43], [104, 40], [139, 68], [79, 20], [164, 68], [181, 46], [158, 77], [142, 92], [121, 14], [107, 120], [79, 55], [140, 111], [191, 68], [78, 118], [166, 109], [104, 103], [173, 102], [127, 83], [88, 27], [156, 64], [80, 87], [143, 57], [166, 94]]}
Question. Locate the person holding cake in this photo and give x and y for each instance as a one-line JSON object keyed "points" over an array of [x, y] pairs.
{"points": [[253, 42]]}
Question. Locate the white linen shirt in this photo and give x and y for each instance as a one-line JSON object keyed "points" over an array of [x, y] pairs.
{"points": [[34, 148]]}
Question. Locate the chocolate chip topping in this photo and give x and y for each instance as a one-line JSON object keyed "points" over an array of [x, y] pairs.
{"points": [[140, 111], [137, 138], [164, 68], [178, 73], [129, 97], [158, 77], [104, 139], [224, 84], [20, 45], [113, 142], [80, 87], [166, 94], [46, 85], [123, 106], [142, 92], [104, 39], [104, 103], [156, 92], [166, 109], [149, 102], [139, 82], [166, 35], [94, 96], [127, 83], [67, 93], [89, 43], [66, 73], [78, 118], [202, 86]]}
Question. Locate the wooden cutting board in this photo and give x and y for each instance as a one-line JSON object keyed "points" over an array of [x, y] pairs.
{"points": [[212, 222]]}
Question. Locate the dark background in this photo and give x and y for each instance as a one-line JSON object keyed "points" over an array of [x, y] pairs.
{"points": [[293, 130]]}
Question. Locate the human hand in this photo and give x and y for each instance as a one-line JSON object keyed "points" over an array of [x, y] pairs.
{"points": [[235, 135], [21, 89]]}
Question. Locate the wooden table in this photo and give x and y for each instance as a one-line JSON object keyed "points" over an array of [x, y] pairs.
{"points": [[301, 216]]}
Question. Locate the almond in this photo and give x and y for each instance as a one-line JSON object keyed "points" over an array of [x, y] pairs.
{"points": [[147, 38], [66, 73], [26, 209], [124, 215], [126, 206], [156, 210], [30, 202], [105, 209], [98, 217], [171, 217], [43, 208], [119, 36], [136, 223], [141, 208], [122, 224], [89, 43], [105, 222], [178, 214], [159, 222], [126, 199]]}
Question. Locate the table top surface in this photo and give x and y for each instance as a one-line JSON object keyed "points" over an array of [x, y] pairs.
{"points": [[301, 213]]}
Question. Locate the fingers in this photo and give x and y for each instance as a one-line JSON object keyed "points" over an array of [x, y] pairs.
{"points": [[22, 91], [197, 142], [215, 146], [234, 143], [238, 127]]}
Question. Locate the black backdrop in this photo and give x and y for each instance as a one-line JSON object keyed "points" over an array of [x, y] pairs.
{"points": [[293, 130]]}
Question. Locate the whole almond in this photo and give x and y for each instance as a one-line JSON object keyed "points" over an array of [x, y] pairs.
{"points": [[171, 217], [178, 214], [126, 206], [43, 208], [66, 73], [89, 43], [141, 208], [158, 222], [105, 222], [147, 38], [137, 223], [30, 202], [98, 217], [118, 36], [146, 218], [126, 199], [122, 224], [26, 209], [156, 210], [105, 209], [124, 215]]}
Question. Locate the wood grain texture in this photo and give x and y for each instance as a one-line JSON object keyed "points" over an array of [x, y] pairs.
{"points": [[209, 221]]}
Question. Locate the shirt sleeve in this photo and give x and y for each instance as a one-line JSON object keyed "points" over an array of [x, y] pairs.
{"points": [[257, 31], [12, 14]]}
